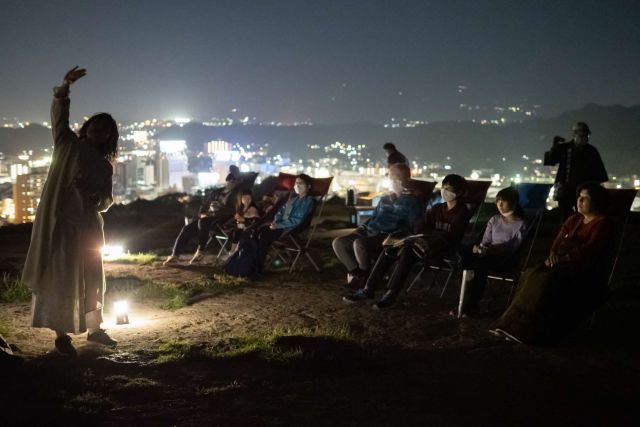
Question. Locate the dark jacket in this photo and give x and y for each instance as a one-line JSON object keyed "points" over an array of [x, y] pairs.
{"points": [[576, 164]]}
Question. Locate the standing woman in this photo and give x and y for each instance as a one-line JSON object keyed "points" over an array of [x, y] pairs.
{"points": [[64, 263]]}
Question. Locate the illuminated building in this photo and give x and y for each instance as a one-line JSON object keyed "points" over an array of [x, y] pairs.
{"points": [[26, 195]]}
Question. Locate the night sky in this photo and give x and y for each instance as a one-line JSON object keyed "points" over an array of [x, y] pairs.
{"points": [[325, 61]]}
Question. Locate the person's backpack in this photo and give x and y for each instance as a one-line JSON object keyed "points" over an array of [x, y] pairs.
{"points": [[245, 261]]}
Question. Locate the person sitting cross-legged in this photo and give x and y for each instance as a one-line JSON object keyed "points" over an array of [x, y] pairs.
{"points": [[502, 237], [397, 211], [439, 236]]}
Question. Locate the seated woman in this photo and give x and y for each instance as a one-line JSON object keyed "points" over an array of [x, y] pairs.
{"points": [[440, 235], [502, 238], [554, 297], [244, 221], [288, 217]]}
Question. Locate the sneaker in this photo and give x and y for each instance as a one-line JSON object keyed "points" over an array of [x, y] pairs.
{"points": [[101, 337], [171, 259], [197, 257], [64, 346], [387, 300], [357, 296]]}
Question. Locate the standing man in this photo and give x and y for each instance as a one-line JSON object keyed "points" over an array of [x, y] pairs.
{"points": [[394, 156], [578, 162]]}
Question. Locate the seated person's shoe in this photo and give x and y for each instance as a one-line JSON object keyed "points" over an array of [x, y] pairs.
{"points": [[101, 337], [357, 296], [171, 259], [197, 257], [387, 300], [64, 346]]}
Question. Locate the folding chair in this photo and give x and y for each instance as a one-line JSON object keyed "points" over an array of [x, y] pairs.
{"points": [[533, 200], [620, 202], [295, 243], [473, 197]]}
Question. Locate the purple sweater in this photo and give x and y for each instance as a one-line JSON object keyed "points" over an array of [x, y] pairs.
{"points": [[503, 237]]}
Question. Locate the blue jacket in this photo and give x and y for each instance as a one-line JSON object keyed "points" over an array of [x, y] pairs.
{"points": [[394, 213], [293, 212]]}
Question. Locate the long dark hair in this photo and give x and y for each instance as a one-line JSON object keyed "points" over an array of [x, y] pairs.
{"points": [[107, 126], [239, 206]]}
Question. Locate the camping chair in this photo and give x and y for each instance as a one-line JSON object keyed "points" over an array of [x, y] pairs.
{"points": [[294, 243], [620, 202], [533, 200], [219, 233], [473, 197]]}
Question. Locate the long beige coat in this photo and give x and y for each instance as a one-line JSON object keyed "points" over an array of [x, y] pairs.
{"points": [[64, 263]]}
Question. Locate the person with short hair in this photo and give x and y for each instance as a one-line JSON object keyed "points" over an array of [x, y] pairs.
{"points": [[398, 211], [394, 156], [64, 267], [578, 162], [502, 237], [291, 215], [554, 297], [439, 236], [218, 207]]}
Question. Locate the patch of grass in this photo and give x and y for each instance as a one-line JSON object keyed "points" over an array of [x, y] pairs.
{"points": [[207, 391], [265, 346], [12, 289], [180, 295], [89, 403], [5, 328], [136, 258], [125, 382]]}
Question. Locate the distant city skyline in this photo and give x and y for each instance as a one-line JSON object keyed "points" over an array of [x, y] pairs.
{"points": [[320, 61]]}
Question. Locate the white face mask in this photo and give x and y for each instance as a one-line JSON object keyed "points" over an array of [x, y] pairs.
{"points": [[396, 187], [447, 195]]}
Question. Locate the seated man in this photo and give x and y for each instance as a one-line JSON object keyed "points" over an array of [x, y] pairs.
{"points": [[440, 235], [217, 208], [398, 211], [288, 217]]}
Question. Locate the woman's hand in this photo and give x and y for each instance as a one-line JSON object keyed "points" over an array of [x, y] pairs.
{"points": [[74, 74], [476, 249], [272, 226], [552, 260]]}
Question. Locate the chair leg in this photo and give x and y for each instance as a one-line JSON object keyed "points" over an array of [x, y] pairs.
{"points": [[415, 280], [295, 261], [313, 262], [223, 246], [446, 283], [463, 291]]}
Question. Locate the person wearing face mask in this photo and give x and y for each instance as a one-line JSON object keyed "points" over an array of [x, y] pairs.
{"points": [[217, 207], [502, 237], [578, 162], [554, 297], [439, 235], [288, 217], [398, 211]]}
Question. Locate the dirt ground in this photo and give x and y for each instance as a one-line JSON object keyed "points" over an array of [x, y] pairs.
{"points": [[287, 351]]}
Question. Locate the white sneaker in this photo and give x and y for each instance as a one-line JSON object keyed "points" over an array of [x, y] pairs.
{"points": [[197, 257], [171, 259]]}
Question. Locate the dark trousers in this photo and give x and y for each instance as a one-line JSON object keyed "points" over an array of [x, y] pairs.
{"points": [[266, 237], [404, 258], [199, 229], [481, 266]]}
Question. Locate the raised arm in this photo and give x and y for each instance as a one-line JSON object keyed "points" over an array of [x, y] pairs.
{"points": [[60, 107]]}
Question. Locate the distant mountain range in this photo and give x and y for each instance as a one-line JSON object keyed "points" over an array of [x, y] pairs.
{"points": [[616, 134]]}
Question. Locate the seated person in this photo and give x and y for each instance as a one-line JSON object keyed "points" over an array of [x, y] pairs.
{"points": [[217, 208], [246, 218], [398, 211], [288, 217], [439, 236], [554, 297], [502, 237]]}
